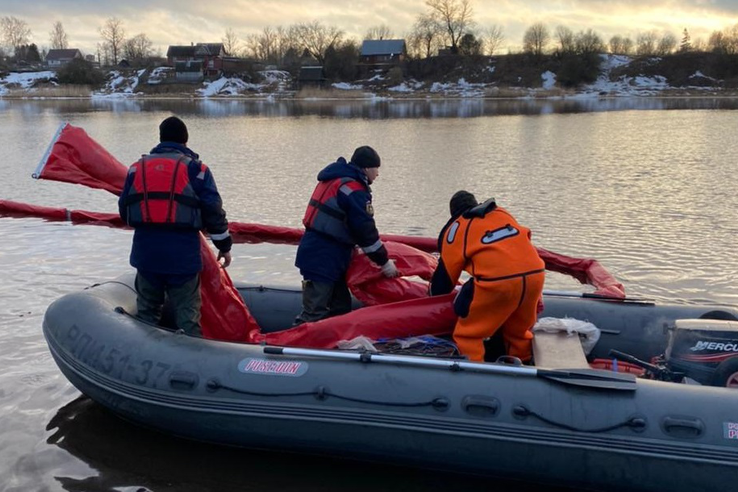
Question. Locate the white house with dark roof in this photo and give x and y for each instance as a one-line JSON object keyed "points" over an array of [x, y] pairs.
{"points": [[59, 58]]}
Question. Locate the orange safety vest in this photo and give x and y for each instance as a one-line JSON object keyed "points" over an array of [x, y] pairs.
{"points": [[161, 193], [323, 213], [493, 244]]}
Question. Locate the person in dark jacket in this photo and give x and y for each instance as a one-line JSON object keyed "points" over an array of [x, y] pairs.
{"points": [[168, 197], [339, 217]]}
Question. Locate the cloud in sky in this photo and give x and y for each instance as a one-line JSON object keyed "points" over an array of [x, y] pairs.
{"points": [[168, 22]]}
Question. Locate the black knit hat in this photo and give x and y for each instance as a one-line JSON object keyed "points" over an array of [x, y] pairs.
{"points": [[461, 202], [173, 130], [365, 157]]}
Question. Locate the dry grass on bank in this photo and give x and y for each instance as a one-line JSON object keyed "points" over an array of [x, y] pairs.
{"points": [[64, 91], [318, 93], [518, 92]]}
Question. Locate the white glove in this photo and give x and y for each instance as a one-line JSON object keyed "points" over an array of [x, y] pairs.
{"points": [[389, 269]]}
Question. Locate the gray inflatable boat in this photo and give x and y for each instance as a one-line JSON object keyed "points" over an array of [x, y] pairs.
{"points": [[559, 422]]}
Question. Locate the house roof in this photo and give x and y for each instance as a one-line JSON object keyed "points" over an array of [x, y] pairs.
{"points": [[210, 49], [179, 51], [372, 47], [59, 55]]}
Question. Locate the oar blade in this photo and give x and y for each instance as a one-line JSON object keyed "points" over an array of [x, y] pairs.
{"points": [[591, 378]]}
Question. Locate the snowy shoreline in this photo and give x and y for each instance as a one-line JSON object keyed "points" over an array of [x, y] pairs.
{"points": [[278, 85]]}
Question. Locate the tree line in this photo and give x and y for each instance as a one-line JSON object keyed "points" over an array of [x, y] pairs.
{"points": [[446, 26]]}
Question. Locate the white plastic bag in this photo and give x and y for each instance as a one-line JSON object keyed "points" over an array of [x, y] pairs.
{"points": [[585, 329], [360, 342]]}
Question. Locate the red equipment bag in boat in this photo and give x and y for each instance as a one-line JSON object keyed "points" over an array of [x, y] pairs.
{"points": [[74, 157], [368, 285], [425, 316]]}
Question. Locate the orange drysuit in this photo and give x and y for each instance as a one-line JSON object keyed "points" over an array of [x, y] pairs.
{"points": [[507, 279]]}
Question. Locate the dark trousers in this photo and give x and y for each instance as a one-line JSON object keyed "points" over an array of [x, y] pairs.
{"points": [[183, 293], [323, 299]]}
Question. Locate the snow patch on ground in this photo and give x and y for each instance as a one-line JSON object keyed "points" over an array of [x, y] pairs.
{"points": [[345, 86], [158, 75], [549, 79], [610, 62], [227, 86], [24, 81], [118, 85], [462, 88]]}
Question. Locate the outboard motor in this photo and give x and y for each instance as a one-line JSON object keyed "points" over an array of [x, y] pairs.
{"points": [[705, 350]]}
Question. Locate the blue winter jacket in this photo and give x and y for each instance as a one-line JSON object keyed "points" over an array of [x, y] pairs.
{"points": [[323, 258], [176, 252]]}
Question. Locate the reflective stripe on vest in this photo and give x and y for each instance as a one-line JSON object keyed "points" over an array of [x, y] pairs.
{"points": [[161, 193], [323, 213]]}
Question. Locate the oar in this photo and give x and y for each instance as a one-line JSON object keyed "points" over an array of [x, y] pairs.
{"points": [[601, 297], [588, 378]]}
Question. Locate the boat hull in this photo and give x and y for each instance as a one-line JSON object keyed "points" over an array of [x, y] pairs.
{"points": [[653, 436]]}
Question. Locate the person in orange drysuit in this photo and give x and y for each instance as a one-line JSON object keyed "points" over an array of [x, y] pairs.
{"points": [[506, 276]]}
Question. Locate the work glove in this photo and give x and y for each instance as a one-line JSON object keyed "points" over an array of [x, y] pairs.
{"points": [[389, 269]]}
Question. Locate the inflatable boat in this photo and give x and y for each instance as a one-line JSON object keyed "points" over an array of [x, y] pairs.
{"points": [[559, 421]]}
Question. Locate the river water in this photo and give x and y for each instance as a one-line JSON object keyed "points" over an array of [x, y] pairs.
{"points": [[646, 186]]}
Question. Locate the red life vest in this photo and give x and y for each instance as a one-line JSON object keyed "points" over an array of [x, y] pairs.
{"points": [[323, 213], [161, 193]]}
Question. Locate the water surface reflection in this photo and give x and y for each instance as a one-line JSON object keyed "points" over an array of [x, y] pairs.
{"points": [[121, 455], [377, 108]]}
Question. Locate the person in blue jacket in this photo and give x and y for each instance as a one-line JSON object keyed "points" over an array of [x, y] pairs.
{"points": [[339, 217], [168, 197]]}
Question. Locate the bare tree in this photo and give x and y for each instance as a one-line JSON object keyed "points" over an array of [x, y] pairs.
{"points": [[231, 43], [102, 54], [58, 37], [113, 36], [285, 43], [646, 43], [589, 42], [565, 37], [492, 39], [536, 38], [264, 46], [425, 38], [271, 45], [666, 44], [699, 45], [725, 41], [379, 32], [15, 32], [616, 44], [455, 16], [316, 38], [628, 46], [138, 48]]}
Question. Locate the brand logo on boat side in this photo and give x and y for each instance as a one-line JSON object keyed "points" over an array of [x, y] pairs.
{"points": [[272, 368], [721, 346], [730, 430]]}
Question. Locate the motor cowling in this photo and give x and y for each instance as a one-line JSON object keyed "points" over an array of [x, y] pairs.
{"points": [[705, 350]]}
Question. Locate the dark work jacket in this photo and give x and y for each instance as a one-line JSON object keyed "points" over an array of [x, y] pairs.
{"points": [[323, 258], [163, 250]]}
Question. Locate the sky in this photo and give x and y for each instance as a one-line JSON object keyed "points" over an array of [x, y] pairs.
{"points": [[168, 22]]}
